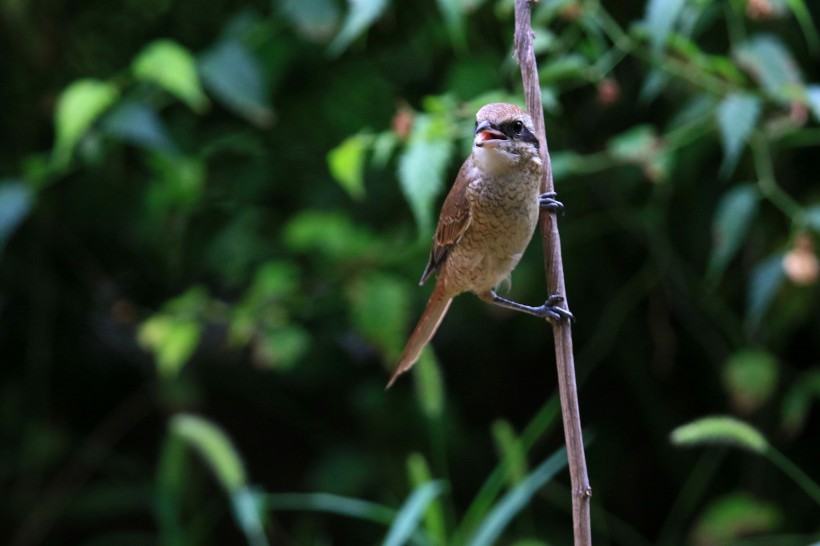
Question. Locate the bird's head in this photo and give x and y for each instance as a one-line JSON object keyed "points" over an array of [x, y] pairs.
{"points": [[504, 136]]}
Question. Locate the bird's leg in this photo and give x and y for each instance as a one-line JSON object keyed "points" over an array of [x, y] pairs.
{"points": [[547, 201], [549, 310]]}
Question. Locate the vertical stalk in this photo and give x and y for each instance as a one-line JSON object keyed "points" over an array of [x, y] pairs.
{"points": [[554, 267]]}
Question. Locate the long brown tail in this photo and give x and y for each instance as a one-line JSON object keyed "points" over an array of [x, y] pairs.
{"points": [[435, 310]]}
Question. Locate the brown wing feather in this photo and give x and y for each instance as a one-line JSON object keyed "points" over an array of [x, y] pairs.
{"points": [[452, 222]]}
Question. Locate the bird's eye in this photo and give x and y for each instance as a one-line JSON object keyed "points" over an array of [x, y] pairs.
{"points": [[517, 127]]}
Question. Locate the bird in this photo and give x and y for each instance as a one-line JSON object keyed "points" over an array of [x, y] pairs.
{"points": [[486, 223]]}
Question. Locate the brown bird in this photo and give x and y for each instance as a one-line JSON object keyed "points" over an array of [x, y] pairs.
{"points": [[486, 222]]}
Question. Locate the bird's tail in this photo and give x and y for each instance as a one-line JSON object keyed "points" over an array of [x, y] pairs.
{"points": [[425, 329]]}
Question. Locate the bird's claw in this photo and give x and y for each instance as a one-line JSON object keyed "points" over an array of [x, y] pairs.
{"points": [[547, 201], [552, 312]]}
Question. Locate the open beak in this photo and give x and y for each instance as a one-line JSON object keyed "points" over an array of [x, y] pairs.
{"points": [[486, 134]]}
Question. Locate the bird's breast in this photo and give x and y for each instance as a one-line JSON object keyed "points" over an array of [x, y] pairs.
{"points": [[504, 213]]}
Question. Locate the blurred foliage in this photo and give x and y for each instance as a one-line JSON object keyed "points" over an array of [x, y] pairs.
{"points": [[212, 220]]}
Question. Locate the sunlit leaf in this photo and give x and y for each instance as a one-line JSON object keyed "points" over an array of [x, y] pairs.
{"points": [[214, 446], [172, 340], [172, 67], [346, 164], [516, 499], [737, 117], [361, 15], [766, 279], [233, 75], [16, 199], [750, 377], [410, 514], [719, 431], [173, 334], [78, 107], [731, 222], [770, 63], [137, 124], [422, 166], [733, 517], [661, 16]]}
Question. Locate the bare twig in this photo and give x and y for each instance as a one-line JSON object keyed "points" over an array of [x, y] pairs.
{"points": [[554, 267]]}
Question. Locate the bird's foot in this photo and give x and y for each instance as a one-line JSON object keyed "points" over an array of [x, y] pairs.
{"points": [[551, 312], [547, 201]]}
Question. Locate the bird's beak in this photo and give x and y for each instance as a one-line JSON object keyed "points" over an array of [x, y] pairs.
{"points": [[486, 134]]}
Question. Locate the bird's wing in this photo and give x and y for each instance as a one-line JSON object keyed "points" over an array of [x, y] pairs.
{"points": [[452, 223]]}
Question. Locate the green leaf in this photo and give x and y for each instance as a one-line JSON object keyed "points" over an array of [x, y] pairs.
{"points": [[750, 377], [282, 347], [247, 507], [429, 385], [721, 431], [737, 116], [733, 216], [813, 100], [419, 472], [510, 451], [137, 124], [454, 19], [409, 515], [179, 183], [797, 401], [422, 166], [661, 16], [233, 76], [346, 164], [804, 19], [78, 107], [733, 517], [316, 20], [813, 218], [635, 145], [564, 67], [16, 199], [172, 67], [331, 235], [516, 499], [214, 446], [332, 504], [361, 15], [173, 334], [383, 146], [766, 279], [380, 307], [172, 340], [771, 64]]}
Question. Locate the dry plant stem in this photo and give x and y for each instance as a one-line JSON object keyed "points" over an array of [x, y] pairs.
{"points": [[562, 330]]}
